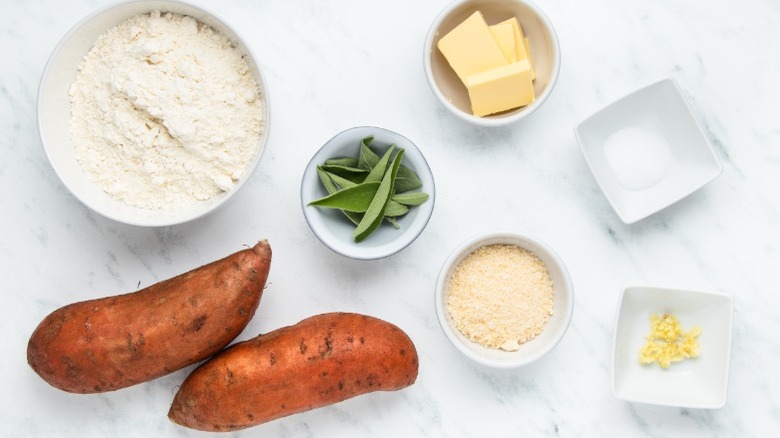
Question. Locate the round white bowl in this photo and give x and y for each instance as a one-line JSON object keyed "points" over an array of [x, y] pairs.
{"points": [[54, 111], [545, 53], [333, 229], [563, 302]]}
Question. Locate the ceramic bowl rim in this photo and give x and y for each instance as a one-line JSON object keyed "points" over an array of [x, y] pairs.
{"points": [[513, 237], [208, 208], [411, 237], [492, 121]]}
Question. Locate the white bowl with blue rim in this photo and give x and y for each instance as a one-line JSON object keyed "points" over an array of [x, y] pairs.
{"points": [[333, 229]]}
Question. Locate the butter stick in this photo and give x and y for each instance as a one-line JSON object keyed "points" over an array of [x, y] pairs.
{"points": [[470, 48], [501, 88]]}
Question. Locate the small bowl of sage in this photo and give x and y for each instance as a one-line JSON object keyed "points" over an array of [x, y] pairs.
{"points": [[367, 193]]}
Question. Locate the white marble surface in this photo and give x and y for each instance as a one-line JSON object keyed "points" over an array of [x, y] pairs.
{"points": [[336, 64]]}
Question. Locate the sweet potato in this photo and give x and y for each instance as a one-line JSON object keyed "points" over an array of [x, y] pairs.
{"points": [[111, 343], [317, 362]]}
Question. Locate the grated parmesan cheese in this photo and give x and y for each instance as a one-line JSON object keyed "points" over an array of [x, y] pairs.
{"points": [[501, 296]]}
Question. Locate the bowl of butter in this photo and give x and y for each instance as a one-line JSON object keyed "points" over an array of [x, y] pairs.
{"points": [[492, 62]]}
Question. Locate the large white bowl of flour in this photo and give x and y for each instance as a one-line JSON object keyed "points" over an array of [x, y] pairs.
{"points": [[151, 118]]}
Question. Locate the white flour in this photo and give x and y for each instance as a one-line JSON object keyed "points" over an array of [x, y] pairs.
{"points": [[165, 112]]}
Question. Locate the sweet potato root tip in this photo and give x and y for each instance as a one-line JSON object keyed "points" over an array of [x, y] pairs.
{"points": [[263, 249]]}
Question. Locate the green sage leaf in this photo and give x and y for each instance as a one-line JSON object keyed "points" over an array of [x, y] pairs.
{"points": [[351, 173], [326, 181], [367, 159], [343, 161], [395, 209], [378, 171], [341, 182], [409, 198], [406, 180], [355, 218], [355, 199], [376, 211], [392, 221]]}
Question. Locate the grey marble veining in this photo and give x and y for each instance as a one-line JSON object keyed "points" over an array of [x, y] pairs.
{"points": [[337, 64]]}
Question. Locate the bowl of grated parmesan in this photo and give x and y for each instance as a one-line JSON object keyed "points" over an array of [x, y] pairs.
{"points": [[153, 113], [504, 299]]}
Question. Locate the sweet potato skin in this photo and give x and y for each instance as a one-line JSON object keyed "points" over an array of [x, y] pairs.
{"points": [[319, 361], [111, 343]]}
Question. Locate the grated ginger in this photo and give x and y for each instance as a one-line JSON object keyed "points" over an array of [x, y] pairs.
{"points": [[668, 342]]}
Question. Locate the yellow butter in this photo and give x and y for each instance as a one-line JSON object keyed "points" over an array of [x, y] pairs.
{"points": [[470, 47], [504, 34], [522, 49], [527, 46], [501, 88]]}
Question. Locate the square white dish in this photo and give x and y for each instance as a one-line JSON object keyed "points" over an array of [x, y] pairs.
{"points": [[700, 382], [647, 151]]}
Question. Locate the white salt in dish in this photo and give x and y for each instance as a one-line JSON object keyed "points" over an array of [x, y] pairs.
{"points": [[639, 156], [646, 151]]}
